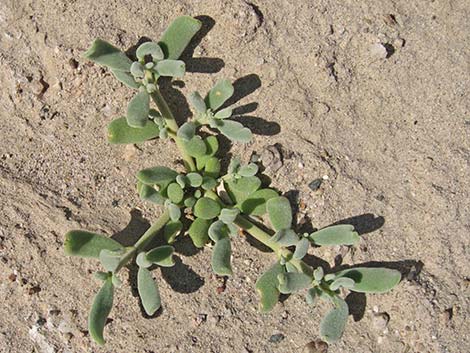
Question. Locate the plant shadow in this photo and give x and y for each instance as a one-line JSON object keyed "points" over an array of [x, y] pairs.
{"points": [[134, 229], [182, 278]]}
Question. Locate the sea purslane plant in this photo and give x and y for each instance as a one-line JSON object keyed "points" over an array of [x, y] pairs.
{"points": [[216, 203]]}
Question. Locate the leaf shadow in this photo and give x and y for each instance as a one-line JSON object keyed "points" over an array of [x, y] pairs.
{"points": [[182, 278], [363, 224], [134, 229]]}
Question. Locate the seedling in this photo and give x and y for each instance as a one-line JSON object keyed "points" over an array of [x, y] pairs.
{"points": [[216, 203]]}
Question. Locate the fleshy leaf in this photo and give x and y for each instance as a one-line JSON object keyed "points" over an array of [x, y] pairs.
{"points": [[195, 179], [102, 304], [218, 230], [217, 96], [187, 131], [171, 231], [208, 183], [195, 147], [110, 259], [161, 176], [255, 204], [342, 234], [197, 102], [345, 282], [280, 212], [148, 193], [120, 132], [206, 208], [138, 110], [86, 244], [198, 231], [149, 48], [178, 35], [221, 257], [240, 189], [224, 113], [126, 78], [228, 215], [311, 296], [175, 193], [370, 279], [333, 324], [104, 53], [318, 274], [291, 268], [291, 282], [148, 291], [174, 211], [248, 170], [285, 237], [267, 287], [301, 248], [171, 68], [161, 256], [235, 131], [212, 145], [212, 167]]}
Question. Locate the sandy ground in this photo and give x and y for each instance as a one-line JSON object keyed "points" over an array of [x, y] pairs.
{"points": [[371, 94]]}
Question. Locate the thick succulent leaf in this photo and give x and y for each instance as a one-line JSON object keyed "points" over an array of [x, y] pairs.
{"points": [[333, 324], [221, 257], [342, 234], [87, 244], [267, 287], [198, 102], [195, 147], [235, 131], [212, 167], [103, 53], [285, 237], [138, 110], [171, 231], [240, 189], [187, 131], [175, 193], [234, 165], [206, 208], [311, 296], [370, 279], [344, 282], [217, 96], [126, 78], [208, 183], [291, 282], [280, 212], [120, 132], [178, 35], [110, 259], [212, 145], [291, 268], [224, 113], [161, 176], [171, 68], [161, 256], [301, 248], [248, 170], [148, 193], [228, 215], [174, 211], [198, 231], [195, 179], [102, 304], [255, 204], [149, 48], [318, 274], [148, 291], [218, 230]]}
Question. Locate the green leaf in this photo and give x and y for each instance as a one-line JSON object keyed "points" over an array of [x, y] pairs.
{"points": [[224, 113], [171, 68], [138, 110], [212, 145], [217, 96], [344, 282], [119, 132], [212, 167], [195, 147], [137, 70], [280, 212], [291, 268], [149, 48], [255, 204], [318, 274], [175, 193], [125, 78], [171, 231], [218, 230], [208, 183], [370, 279], [103, 53], [195, 179], [267, 287], [235, 131], [206, 208], [291, 282], [248, 170], [187, 131], [178, 35], [110, 259], [333, 324], [342, 234], [161, 176], [311, 296], [190, 202], [86, 244], [148, 291], [197, 102], [161, 256], [285, 237], [198, 231], [148, 193], [301, 248], [228, 215], [240, 189], [174, 211], [234, 165], [102, 304], [221, 255]]}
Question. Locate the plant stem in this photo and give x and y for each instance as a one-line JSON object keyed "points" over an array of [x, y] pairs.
{"points": [[257, 233], [173, 127], [152, 231]]}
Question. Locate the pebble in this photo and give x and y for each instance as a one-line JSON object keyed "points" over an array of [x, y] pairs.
{"points": [[315, 185], [271, 158], [317, 346], [378, 51], [276, 338], [380, 321], [399, 42]]}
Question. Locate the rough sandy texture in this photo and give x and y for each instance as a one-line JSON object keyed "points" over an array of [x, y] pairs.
{"points": [[372, 94]]}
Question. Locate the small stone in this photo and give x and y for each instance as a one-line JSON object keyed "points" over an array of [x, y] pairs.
{"points": [[276, 338], [34, 290], [399, 42], [200, 318], [315, 185], [317, 346], [380, 321], [378, 51]]}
